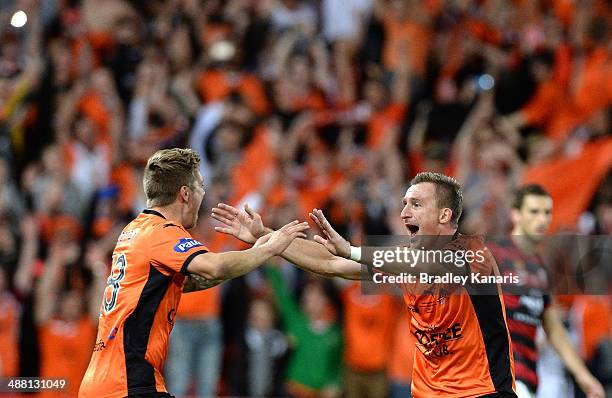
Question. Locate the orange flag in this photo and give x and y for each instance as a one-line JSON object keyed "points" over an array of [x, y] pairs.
{"points": [[572, 181]]}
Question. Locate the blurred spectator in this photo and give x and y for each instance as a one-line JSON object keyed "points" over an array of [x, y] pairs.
{"points": [[20, 71], [368, 332], [400, 363], [294, 14], [315, 362], [51, 190], [11, 202], [9, 328], [258, 365], [66, 318]]}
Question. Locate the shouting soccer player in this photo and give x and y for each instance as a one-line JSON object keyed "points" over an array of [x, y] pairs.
{"points": [[154, 262], [529, 304], [463, 343]]}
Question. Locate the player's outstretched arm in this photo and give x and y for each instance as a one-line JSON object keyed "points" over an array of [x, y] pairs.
{"points": [[419, 262], [311, 256], [210, 269]]}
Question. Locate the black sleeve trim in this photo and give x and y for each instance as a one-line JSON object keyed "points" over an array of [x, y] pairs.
{"points": [[189, 259]]}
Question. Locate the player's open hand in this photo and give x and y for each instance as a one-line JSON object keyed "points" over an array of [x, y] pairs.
{"points": [[245, 225], [332, 241], [278, 241]]}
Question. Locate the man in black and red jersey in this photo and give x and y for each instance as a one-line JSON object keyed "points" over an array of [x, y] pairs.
{"points": [[529, 304]]}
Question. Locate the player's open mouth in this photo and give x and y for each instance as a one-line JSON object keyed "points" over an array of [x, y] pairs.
{"points": [[413, 229]]}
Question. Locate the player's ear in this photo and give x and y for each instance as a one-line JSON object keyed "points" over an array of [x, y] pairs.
{"points": [[515, 215], [184, 193], [445, 216]]}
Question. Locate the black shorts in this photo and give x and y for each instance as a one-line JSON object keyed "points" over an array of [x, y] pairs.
{"points": [[151, 395]]}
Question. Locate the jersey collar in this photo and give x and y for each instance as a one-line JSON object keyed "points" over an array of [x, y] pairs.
{"points": [[154, 212]]}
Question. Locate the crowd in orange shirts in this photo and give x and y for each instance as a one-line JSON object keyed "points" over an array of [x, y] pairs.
{"points": [[293, 105]]}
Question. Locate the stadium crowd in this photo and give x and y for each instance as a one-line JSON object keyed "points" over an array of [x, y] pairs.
{"points": [[293, 105]]}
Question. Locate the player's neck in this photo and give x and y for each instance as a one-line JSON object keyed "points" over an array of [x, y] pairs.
{"points": [[171, 212], [523, 242]]}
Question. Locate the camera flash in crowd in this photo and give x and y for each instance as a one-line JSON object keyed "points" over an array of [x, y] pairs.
{"points": [[486, 82], [19, 19]]}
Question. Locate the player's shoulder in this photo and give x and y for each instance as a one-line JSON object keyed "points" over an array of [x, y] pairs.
{"points": [[465, 242], [169, 231], [150, 227], [156, 223]]}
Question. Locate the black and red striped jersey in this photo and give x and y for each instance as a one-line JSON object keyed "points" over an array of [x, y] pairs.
{"points": [[525, 302]]}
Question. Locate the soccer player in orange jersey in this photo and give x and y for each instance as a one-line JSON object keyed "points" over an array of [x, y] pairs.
{"points": [[155, 261], [463, 345]]}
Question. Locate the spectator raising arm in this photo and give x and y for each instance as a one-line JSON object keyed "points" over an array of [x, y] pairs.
{"points": [[97, 263], [27, 257], [48, 288]]}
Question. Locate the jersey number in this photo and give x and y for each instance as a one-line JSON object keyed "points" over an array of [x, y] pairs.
{"points": [[113, 282]]}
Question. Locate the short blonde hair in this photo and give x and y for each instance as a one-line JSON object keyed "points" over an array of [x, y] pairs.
{"points": [[166, 172], [448, 192]]}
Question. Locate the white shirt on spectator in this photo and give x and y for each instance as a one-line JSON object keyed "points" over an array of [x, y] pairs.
{"points": [[344, 19], [285, 18], [91, 169]]}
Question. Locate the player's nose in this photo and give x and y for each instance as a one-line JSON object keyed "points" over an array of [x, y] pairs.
{"points": [[406, 213]]}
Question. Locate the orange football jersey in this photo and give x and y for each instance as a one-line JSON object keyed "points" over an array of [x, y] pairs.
{"points": [[463, 346], [138, 309]]}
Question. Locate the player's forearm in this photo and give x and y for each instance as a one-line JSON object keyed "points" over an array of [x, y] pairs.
{"points": [[232, 264], [314, 257], [561, 343], [310, 256], [557, 335]]}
